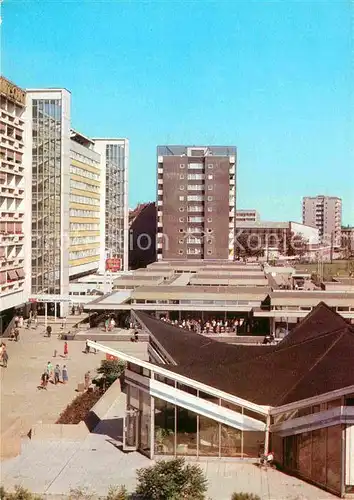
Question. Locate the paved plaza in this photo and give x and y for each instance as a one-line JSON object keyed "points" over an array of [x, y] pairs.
{"points": [[20, 396], [53, 467]]}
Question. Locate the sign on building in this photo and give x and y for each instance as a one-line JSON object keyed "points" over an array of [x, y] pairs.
{"points": [[113, 265]]}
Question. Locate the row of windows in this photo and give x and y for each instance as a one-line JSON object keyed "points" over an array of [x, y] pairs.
{"points": [[195, 187], [195, 230], [195, 241], [84, 226], [195, 197], [194, 251], [84, 159], [84, 199], [83, 240], [83, 186], [84, 173], [83, 253], [196, 165], [83, 213], [195, 208], [195, 219]]}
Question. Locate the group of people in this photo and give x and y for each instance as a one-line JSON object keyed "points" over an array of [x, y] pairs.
{"points": [[56, 375], [31, 320], [209, 326], [4, 357], [109, 324]]}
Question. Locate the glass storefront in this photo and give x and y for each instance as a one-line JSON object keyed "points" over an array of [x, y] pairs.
{"points": [[316, 455], [182, 432]]}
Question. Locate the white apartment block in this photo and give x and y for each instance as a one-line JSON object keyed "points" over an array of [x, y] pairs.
{"points": [[325, 213], [15, 238], [114, 154]]}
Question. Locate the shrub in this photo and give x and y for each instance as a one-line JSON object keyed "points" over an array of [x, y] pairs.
{"points": [[245, 496], [117, 493], [80, 494], [78, 409], [171, 480], [20, 493]]}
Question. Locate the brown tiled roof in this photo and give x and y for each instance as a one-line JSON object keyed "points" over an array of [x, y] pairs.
{"points": [[316, 357]]}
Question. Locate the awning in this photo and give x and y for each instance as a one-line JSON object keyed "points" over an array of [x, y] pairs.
{"points": [[20, 273], [12, 275]]}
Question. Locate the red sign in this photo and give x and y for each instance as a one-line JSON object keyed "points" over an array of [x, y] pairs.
{"points": [[33, 300], [113, 265], [110, 357]]}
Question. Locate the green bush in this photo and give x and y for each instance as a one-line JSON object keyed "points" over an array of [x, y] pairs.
{"points": [[245, 496], [171, 480], [109, 370]]}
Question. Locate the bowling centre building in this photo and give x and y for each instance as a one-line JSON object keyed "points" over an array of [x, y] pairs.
{"points": [[200, 397]]}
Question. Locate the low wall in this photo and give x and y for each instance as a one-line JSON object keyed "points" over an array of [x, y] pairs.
{"points": [[10, 440], [100, 409], [70, 432]]}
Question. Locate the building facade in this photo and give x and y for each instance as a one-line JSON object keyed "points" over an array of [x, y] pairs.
{"points": [[347, 240], [14, 199], [325, 213], [247, 215], [196, 202], [114, 196], [86, 210], [48, 134], [142, 235]]}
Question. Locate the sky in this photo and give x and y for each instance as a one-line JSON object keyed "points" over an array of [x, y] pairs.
{"points": [[275, 79]]}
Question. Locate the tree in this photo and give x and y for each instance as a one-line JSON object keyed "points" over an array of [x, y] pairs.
{"points": [[171, 480], [293, 244], [248, 245], [245, 496], [110, 369]]}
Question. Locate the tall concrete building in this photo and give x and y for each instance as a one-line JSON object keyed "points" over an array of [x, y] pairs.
{"points": [[114, 198], [325, 213], [15, 190], [48, 157], [196, 202], [86, 210]]}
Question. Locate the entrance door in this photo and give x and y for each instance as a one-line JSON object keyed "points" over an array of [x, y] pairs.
{"points": [[130, 433]]}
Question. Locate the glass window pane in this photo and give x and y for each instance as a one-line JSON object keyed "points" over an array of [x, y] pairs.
{"points": [[164, 428], [334, 454], [231, 441], [319, 441], [186, 432], [209, 437], [253, 443]]}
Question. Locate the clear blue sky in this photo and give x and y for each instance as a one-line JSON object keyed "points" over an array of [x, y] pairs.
{"points": [[273, 78]]}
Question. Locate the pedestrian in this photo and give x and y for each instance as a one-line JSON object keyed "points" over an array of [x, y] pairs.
{"points": [[106, 324], [87, 380], [87, 348], [56, 374], [65, 374], [66, 349], [17, 334], [49, 369], [94, 349], [112, 324], [28, 323], [73, 310], [44, 380], [20, 321], [49, 331], [35, 321], [17, 319], [5, 358]]}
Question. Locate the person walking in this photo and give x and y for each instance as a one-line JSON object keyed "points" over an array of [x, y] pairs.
{"points": [[66, 349], [20, 321], [65, 374], [17, 334], [94, 349], [17, 319], [5, 358], [49, 331], [44, 380], [87, 380], [56, 374], [87, 348], [49, 370]]}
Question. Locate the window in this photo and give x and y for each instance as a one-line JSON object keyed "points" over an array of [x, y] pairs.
{"points": [[180, 252], [181, 198], [210, 176], [210, 219], [210, 209], [181, 176], [181, 209], [209, 252], [181, 219], [210, 242], [210, 188], [195, 187], [181, 187], [210, 198], [195, 219], [195, 197], [182, 165], [195, 208], [209, 230], [181, 230], [210, 165], [195, 166], [196, 177], [181, 242]]}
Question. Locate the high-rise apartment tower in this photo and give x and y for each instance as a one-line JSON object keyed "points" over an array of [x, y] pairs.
{"points": [[325, 213], [196, 193]]}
